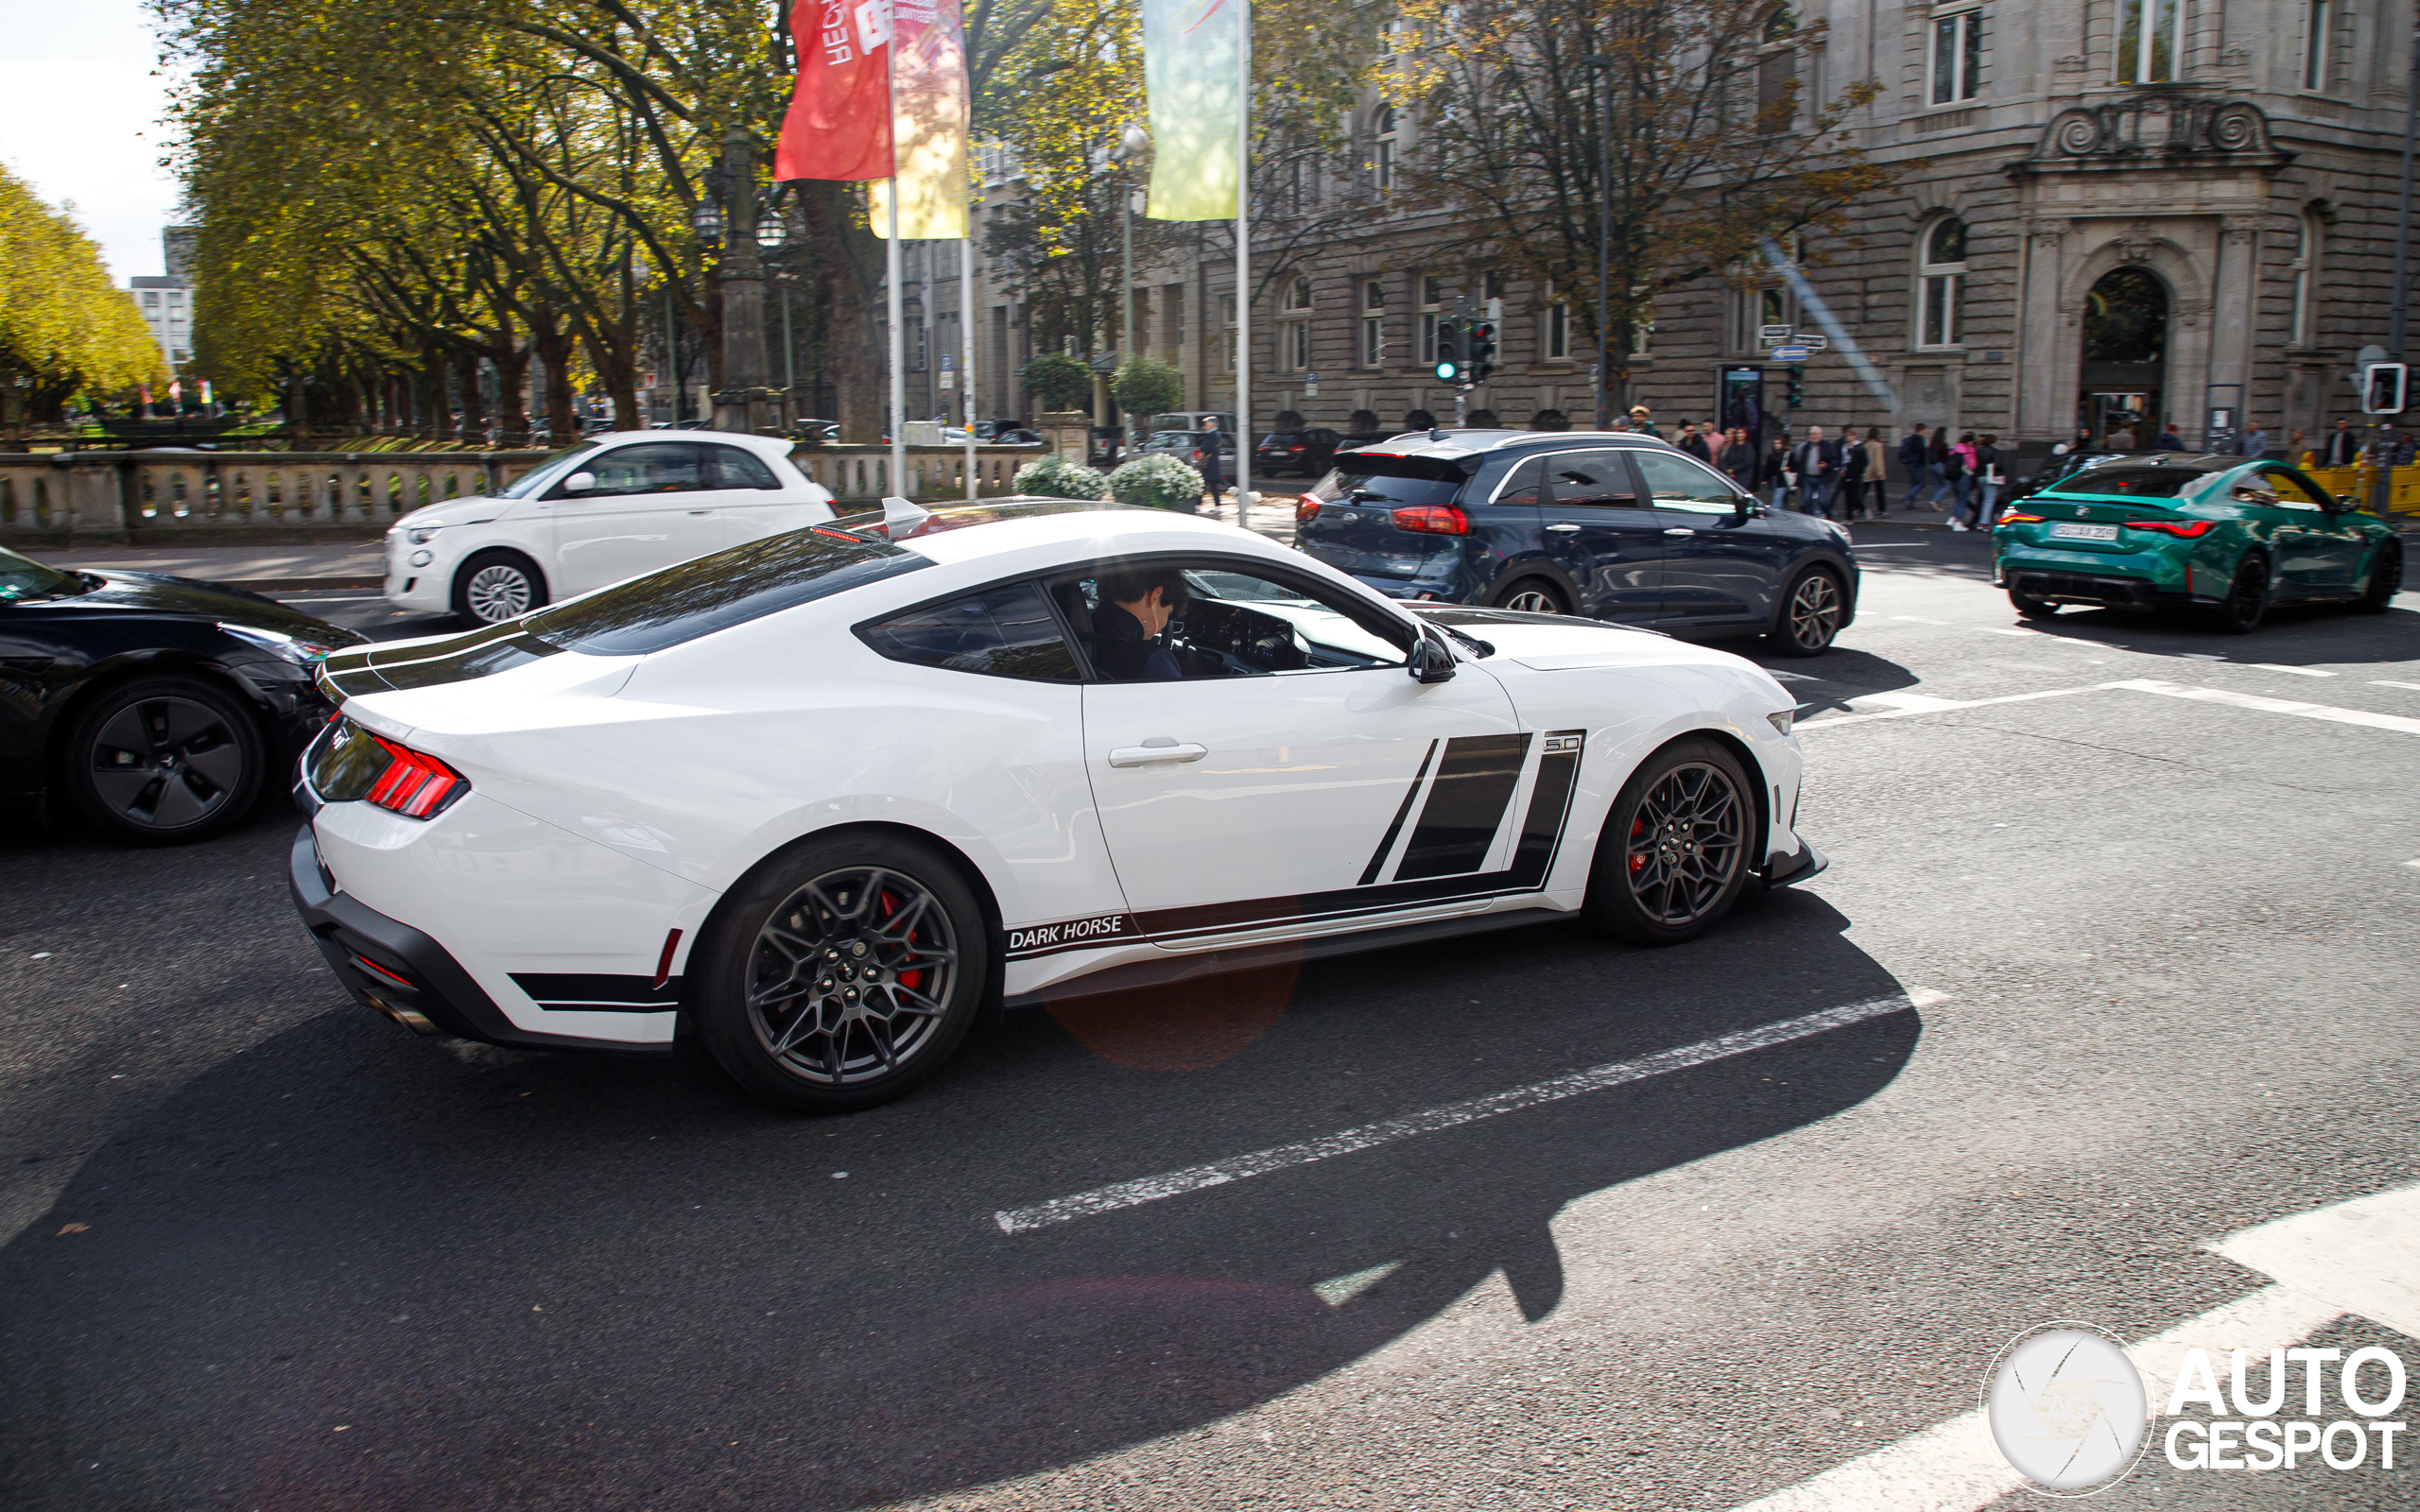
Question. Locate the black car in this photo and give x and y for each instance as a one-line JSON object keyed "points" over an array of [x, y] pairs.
{"points": [[1617, 527], [161, 706], [1306, 452], [2058, 466]]}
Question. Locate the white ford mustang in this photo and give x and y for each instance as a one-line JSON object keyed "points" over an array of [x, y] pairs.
{"points": [[819, 798]]}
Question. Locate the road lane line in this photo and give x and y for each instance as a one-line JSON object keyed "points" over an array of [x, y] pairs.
{"points": [[1938, 706], [2280, 666], [2400, 723], [1512, 1100], [2357, 1257], [2389, 683]]}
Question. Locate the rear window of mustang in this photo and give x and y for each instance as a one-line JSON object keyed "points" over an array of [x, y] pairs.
{"points": [[718, 591]]}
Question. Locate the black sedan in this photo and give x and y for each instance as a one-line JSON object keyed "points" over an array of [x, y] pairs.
{"points": [[1616, 526], [159, 706], [1306, 452]]}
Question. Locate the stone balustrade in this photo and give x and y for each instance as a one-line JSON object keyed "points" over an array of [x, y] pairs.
{"points": [[162, 495]]}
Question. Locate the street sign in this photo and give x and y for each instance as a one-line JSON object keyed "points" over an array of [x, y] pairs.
{"points": [[1311, 386], [1791, 353], [2383, 388], [1814, 341], [1774, 335], [949, 371]]}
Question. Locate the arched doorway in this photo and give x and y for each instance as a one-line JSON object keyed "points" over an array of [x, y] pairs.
{"points": [[2125, 357]]}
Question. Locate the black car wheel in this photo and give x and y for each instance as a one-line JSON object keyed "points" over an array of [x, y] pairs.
{"points": [[2386, 579], [1532, 596], [164, 759], [1674, 853], [496, 586], [2028, 606], [1811, 613], [842, 973], [2247, 601]]}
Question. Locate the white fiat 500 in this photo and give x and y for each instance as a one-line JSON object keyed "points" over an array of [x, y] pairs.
{"points": [[611, 508], [819, 798]]}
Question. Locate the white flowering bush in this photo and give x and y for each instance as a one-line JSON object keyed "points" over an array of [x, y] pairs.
{"points": [[1156, 482], [1056, 478]]}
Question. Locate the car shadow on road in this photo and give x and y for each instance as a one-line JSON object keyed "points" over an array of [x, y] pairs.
{"points": [[345, 1267], [2292, 635], [1821, 684]]}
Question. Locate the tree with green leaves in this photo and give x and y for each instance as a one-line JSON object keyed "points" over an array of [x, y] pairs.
{"points": [[66, 329]]}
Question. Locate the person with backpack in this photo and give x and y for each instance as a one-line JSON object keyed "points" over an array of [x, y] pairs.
{"points": [[1957, 465], [1853, 465], [1911, 462], [1987, 478]]}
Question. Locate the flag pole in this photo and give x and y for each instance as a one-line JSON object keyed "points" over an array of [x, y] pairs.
{"points": [[1243, 267], [894, 274], [966, 340]]}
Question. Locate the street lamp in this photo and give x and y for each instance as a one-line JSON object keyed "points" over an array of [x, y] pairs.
{"points": [[770, 233], [728, 211], [706, 220]]}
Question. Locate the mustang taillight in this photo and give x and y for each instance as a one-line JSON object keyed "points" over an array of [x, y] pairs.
{"points": [[2189, 530], [1305, 506], [414, 785], [1433, 519]]}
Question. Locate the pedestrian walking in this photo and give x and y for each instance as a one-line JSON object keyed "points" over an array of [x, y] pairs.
{"points": [[1937, 484], [2120, 439], [2343, 447], [2167, 440], [1739, 459], [1207, 461], [1773, 472], [1853, 462], [1912, 462], [2403, 449], [1639, 423], [2298, 450], [1877, 470], [1988, 479], [2255, 442], [1817, 462], [1957, 466], [1697, 441]]}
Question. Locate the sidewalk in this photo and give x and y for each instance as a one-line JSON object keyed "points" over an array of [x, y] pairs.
{"points": [[321, 567]]}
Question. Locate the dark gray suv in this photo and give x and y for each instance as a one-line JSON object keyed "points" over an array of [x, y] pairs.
{"points": [[1616, 526]]}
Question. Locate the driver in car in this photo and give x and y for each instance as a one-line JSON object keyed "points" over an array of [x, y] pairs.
{"points": [[1135, 605]]}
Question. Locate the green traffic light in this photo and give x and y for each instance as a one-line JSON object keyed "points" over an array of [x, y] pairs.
{"points": [[1446, 372]]}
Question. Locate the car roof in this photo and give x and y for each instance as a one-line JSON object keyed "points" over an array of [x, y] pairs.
{"points": [[761, 445], [1453, 444]]}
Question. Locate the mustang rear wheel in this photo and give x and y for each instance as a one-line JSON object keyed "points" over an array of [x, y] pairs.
{"points": [[842, 973], [164, 759], [1674, 853]]}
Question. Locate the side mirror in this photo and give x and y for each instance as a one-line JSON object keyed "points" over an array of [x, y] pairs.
{"points": [[1431, 663], [579, 483]]}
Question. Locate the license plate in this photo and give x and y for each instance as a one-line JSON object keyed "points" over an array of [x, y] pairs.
{"points": [[2076, 532]]}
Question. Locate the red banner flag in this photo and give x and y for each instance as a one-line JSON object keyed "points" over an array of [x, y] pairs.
{"points": [[839, 124]]}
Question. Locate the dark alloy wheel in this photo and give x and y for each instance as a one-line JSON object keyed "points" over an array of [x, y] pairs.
{"points": [[2247, 601], [2386, 579], [164, 759], [842, 973], [1811, 614], [496, 586], [2028, 606], [1532, 596], [1675, 851]]}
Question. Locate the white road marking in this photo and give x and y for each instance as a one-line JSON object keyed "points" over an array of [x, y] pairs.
{"points": [[2279, 666], [2414, 864], [1512, 1100], [1939, 705], [1918, 619], [1343, 1289], [2399, 723], [2356, 1257], [2389, 683], [2004, 629], [1912, 702]]}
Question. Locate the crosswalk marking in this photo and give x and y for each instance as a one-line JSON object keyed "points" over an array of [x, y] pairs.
{"points": [[2400, 723]]}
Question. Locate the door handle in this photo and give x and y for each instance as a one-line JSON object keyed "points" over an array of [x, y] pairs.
{"points": [[702, 511], [1151, 753], [1677, 530], [1565, 527]]}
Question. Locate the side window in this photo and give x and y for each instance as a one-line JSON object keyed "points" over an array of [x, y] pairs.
{"points": [[2294, 492], [728, 467], [654, 468], [1218, 620], [1007, 631], [1522, 486], [1677, 482], [1589, 478]]}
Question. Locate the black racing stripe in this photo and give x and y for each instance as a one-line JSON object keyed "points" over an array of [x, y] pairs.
{"points": [[1549, 807], [598, 994], [1378, 858], [1465, 806]]}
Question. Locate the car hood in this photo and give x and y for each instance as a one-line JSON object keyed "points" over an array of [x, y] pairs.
{"points": [[191, 598], [1559, 642], [478, 510]]}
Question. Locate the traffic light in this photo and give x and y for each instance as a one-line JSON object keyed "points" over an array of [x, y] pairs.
{"points": [[2385, 386], [1482, 351], [1797, 385], [1450, 352]]}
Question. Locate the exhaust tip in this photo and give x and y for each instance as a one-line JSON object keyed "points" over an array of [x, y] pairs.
{"points": [[416, 1023]]}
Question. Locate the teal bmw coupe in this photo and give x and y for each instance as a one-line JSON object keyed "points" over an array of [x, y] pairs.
{"points": [[2223, 535]]}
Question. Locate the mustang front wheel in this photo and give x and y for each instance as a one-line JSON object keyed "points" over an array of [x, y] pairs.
{"points": [[842, 973], [1674, 853]]}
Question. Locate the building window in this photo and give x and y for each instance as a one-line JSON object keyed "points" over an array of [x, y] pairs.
{"points": [[923, 348], [1173, 316], [2147, 37], [1374, 320], [1432, 297], [1941, 284], [1777, 70], [1956, 57], [1384, 137], [1556, 342], [2299, 322], [150, 299], [1227, 317], [1294, 327], [2315, 58]]}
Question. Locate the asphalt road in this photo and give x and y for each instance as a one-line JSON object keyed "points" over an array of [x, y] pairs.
{"points": [[261, 1250]]}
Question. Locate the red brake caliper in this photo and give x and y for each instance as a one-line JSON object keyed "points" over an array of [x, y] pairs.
{"points": [[910, 980], [1638, 827]]}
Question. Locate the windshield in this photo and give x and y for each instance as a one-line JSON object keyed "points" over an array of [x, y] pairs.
{"points": [[1391, 479], [24, 577], [2135, 481], [714, 593], [545, 475]]}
